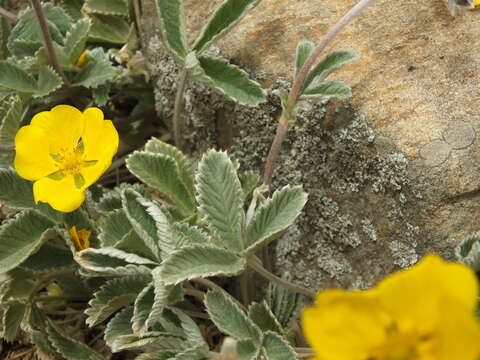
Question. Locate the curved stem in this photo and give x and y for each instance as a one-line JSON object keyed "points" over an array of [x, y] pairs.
{"points": [[178, 109], [9, 16], [295, 93], [279, 281], [47, 39]]}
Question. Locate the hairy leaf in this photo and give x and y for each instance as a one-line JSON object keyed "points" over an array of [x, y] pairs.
{"points": [[50, 257], [222, 21], [132, 243], [107, 7], [172, 25], [76, 40], [15, 78], [229, 318], [120, 325], [248, 350], [114, 228], [284, 304], [48, 81], [275, 216], [73, 8], [15, 191], [231, 81], [142, 308], [276, 348], [109, 29], [186, 235], [153, 340], [10, 118], [200, 261], [12, 318], [304, 49], [22, 236], [220, 196], [328, 89], [114, 295], [263, 317], [249, 181], [98, 71], [101, 94]]}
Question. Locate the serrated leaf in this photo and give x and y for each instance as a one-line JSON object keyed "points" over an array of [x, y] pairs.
{"points": [[247, 350], [68, 347], [76, 40], [107, 7], [185, 172], [229, 318], [142, 308], [114, 295], [114, 228], [111, 261], [73, 8], [161, 173], [98, 71], [186, 235], [141, 220], [4, 33], [10, 117], [329, 64], [15, 191], [164, 295], [164, 234], [101, 94], [12, 318], [276, 348], [50, 257], [263, 317], [110, 29], [22, 236], [249, 181], [15, 78], [163, 355], [149, 341], [284, 304], [132, 243], [48, 81], [172, 25], [200, 261], [220, 196], [231, 81], [326, 90], [19, 285], [274, 217], [196, 352], [304, 49], [119, 325], [222, 21], [112, 200]]}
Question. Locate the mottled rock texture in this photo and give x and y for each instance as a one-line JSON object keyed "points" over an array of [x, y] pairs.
{"points": [[392, 174]]}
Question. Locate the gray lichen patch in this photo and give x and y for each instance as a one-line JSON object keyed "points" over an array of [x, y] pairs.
{"points": [[459, 134], [435, 153]]}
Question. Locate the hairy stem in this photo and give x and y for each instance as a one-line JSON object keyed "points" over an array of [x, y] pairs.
{"points": [[279, 281], [295, 93], [47, 39], [9, 16], [178, 109]]}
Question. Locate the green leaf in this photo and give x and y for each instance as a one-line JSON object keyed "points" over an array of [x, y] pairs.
{"points": [[110, 261], [220, 196], [48, 81], [107, 7], [164, 295], [284, 304], [468, 251], [132, 243], [141, 220], [98, 71], [304, 49], [142, 308], [185, 172], [186, 235], [112, 200], [114, 295], [114, 228], [68, 347], [153, 340], [101, 94], [229, 318], [15, 78], [263, 317], [19, 285], [276, 348], [12, 318], [332, 62], [11, 114], [222, 21], [164, 355], [4, 33], [328, 89], [164, 236], [50, 257], [231, 81], [172, 25], [109, 29], [162, 173], [188, 328], [249, 181], [76, 40], [248, 350], [15, 192], [274, 217], [120, 325], [196, 352], [200, 261], [73, 8], [22, 236]]}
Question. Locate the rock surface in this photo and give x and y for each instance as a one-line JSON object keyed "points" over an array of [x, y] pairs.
{"points": [[391, 175]]}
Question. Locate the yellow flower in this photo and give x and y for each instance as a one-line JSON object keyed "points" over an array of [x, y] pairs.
{"points": [[80, 238], [65, 151], [423, 313], [82, 59], [476, 3]]}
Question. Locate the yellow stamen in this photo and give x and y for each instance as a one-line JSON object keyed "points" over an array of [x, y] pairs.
{"points": [[80, 238]]}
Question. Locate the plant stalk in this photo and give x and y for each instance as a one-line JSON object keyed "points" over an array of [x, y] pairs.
{"points": [[47, 39], [6, 149], [178, 109], [9, 16], [279, 281], [295, 93]]}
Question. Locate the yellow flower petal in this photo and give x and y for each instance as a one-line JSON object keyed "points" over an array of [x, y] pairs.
{"points": [[63, 125], [82, 59], [80, 238], [476, 3], [344, 325], [32, 156], [62, 195]]}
